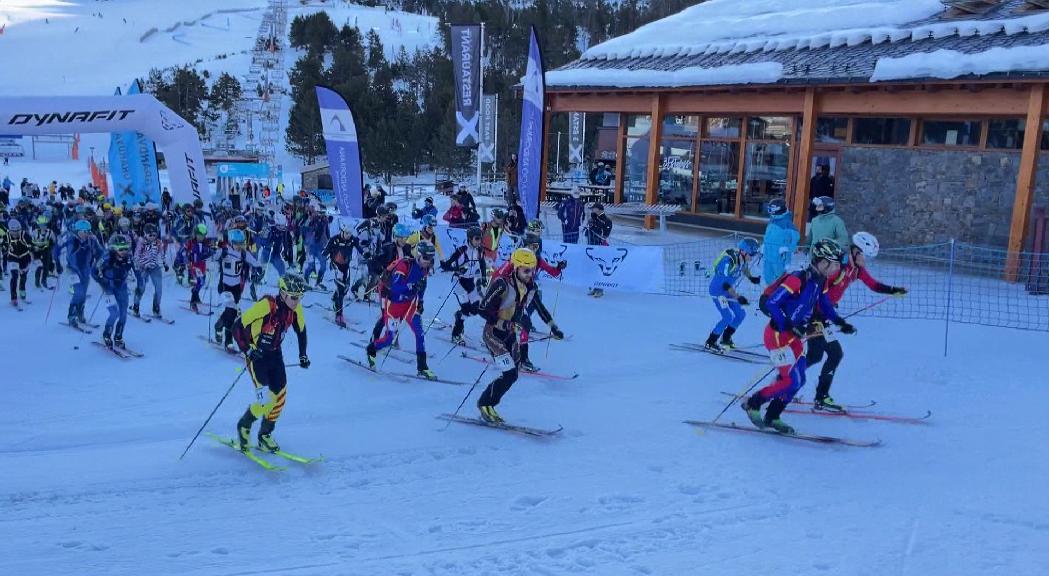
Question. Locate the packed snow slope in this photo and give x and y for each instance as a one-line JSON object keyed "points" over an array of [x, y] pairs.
{"points": [[78, 47], [91, 483]]}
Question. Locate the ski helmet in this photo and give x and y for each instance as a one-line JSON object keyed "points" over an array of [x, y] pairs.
{"points": [[523, 258], [867, 243], [776, 207], [344, 227], [151, 206], [239, 222], [293, 284], [748, 246], [235, 236], [425, 250], [827, 249], [823, 204], [401, 231], [198, 204], [82, 226], [119, 243], [201, 230], [531, 238], [42, 220], [382, 211], [14, 225], [150, 229], [536, 226], [498, 214], [473, 232], [123, 222], [392, 207], [429, 220]]}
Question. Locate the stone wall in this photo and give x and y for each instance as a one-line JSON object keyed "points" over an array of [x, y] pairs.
{"points": [[914, 196]]}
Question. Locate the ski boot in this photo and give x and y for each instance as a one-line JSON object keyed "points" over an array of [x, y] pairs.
{"points": [[118, 342], [753, 412], [712, 344], [827, 404], [772, 417], [320, 286], [340, 321], [488, 414], [193, 307], [371, 355], [107, 339], [219, 337], [780, 426], [458, 340], [527, 366], [14, 302], [243, 435], [72, 321], [135, 310], [424, 370], [726, 338], [22, 295], [266, 441]]}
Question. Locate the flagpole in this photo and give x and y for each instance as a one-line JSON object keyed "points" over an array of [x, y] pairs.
{"points": [[480, 93]]}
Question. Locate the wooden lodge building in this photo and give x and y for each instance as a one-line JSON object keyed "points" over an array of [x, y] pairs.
{"points": [[924, 119]]}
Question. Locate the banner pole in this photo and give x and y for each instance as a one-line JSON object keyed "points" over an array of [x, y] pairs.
{"points": [[480, 83]]}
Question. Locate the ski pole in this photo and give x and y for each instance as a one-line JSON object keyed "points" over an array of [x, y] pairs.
{"points": [[58, 286], [216, 409], [468, 393], [557, 299], [441, 307], [747, 391]]}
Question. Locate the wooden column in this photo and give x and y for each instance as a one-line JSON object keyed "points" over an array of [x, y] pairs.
{"points": [[1025, 180], [655, 135], [802, 176], [546, 155], [620, 159]]}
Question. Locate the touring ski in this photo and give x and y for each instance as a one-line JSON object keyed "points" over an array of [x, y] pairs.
{"points": [[803, 402], [78, 327], [526, 430], [858, 415], [540, 374], [732, 426], [232, 444], [730, 354]]}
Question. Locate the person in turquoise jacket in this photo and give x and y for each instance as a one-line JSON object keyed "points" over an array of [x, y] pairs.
{"points": [[826, 224], [781, 240]]}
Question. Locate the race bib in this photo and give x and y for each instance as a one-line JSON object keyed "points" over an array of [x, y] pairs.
{"points": [[262, 395], [830, 335], [504, 362], [781, 357]]}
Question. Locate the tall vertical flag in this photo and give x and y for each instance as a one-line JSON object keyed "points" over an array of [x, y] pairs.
{"points": [[466, 67], [489, 126], [120, 170], [344, 152], [530, 148], [145, 177], [575, 137]]}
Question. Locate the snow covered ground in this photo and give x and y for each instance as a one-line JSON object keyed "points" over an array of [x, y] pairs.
{"points": [[90, 481]]}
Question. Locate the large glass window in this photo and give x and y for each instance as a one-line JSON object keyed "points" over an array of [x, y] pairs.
{"points": [[638, 124], [718, 177], [765, 176], [769, 128], [724, 127], [950, 133], [832, 130], [635, 170], [881, 131], [1007, 134], [680, 126], [675, 172]]}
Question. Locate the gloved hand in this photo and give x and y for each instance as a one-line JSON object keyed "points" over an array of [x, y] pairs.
{"points": [[253, 354], [556, 332], [445, 266], [304, 361], [562, 265], [898, 291], [742, 300], [845, 327]]}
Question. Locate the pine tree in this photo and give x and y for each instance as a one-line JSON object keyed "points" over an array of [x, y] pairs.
{"points": [[304, 136]]}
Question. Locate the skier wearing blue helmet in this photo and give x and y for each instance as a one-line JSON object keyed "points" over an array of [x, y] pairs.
{"points": [[781, 240], [729, 268], [82, 251]]}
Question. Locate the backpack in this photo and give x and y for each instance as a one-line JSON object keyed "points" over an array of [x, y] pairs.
{"points": [[768, 292], [242, 333]]}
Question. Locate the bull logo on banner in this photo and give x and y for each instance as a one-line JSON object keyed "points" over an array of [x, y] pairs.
{"points": [[608, 266]]}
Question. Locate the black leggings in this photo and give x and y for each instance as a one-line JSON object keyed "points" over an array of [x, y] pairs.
{"points": [[499, 343], [819, 346]]}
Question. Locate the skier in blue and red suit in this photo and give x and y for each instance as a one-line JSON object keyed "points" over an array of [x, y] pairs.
{"points": [[790, 302], [403, 302]]}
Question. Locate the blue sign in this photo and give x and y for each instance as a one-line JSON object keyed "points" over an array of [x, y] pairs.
{"points": [[530, 148], [344, 152], [242, 170]]}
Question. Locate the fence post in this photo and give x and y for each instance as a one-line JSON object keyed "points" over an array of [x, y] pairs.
{"points": [[950, 286]]}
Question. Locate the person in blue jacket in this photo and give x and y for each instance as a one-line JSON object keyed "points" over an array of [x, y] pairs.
{"points": [[111, 273], [315, 236], [570, 212], [729, 270], [791, 303], [82, 250], [427, 209], [781, 240]]}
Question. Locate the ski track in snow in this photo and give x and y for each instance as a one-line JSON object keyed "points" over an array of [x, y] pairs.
{"points": [[91, 481]]}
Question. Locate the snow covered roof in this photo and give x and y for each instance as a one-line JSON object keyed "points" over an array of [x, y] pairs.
{"points": [[729, 42]]}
